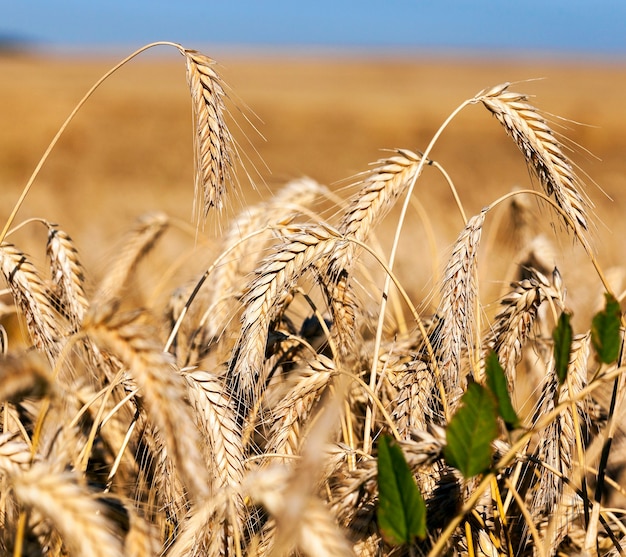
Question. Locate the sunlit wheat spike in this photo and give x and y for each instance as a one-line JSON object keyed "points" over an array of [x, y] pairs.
{"points": [[32, 299], [15, 454], [515, 320], [67, 276], [458, 302], [291, 413], [221, 431], [72, 508], [310, 528], [212, 140], [132, 339], [301, 247], [414, 386], [137, 243], [381, 188], [542, 151], [254, 222]]}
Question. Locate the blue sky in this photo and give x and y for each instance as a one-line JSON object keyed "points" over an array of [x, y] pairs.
{"points": [[541, 26]]}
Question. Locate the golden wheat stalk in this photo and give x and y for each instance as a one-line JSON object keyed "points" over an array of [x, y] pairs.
{"points": [[457, 308]]}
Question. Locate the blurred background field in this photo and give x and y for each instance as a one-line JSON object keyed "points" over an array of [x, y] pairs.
{"points": [[129, 150]]}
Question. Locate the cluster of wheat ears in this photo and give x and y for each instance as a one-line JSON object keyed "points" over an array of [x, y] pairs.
{"points": [[255, 410]]}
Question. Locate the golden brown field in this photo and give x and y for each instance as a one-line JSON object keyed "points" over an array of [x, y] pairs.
{"points": [[129, 151], [254, 386]]}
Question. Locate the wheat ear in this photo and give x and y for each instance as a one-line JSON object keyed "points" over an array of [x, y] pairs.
{"points": [[302, 247], [415, 385], [514, 322], [458, 304], [137, 243], [212, 140], [305, 387], [292, 199], [542, 151], [32, 298], [67, 276], [131, 338], [217, 422], [76, 514]]}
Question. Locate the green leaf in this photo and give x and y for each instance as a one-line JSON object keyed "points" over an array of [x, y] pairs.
{"points": [[605, 333], [471, 431], [498, 385], [401, 507], [562, 336]]}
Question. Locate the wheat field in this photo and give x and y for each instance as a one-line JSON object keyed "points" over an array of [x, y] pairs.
{"points": [[237, 288]]}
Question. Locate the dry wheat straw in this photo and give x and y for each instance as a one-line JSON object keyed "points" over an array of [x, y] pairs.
{"points": [[67, 276], [131, 338], [542, 151], [212, 140], [78, 516]]}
